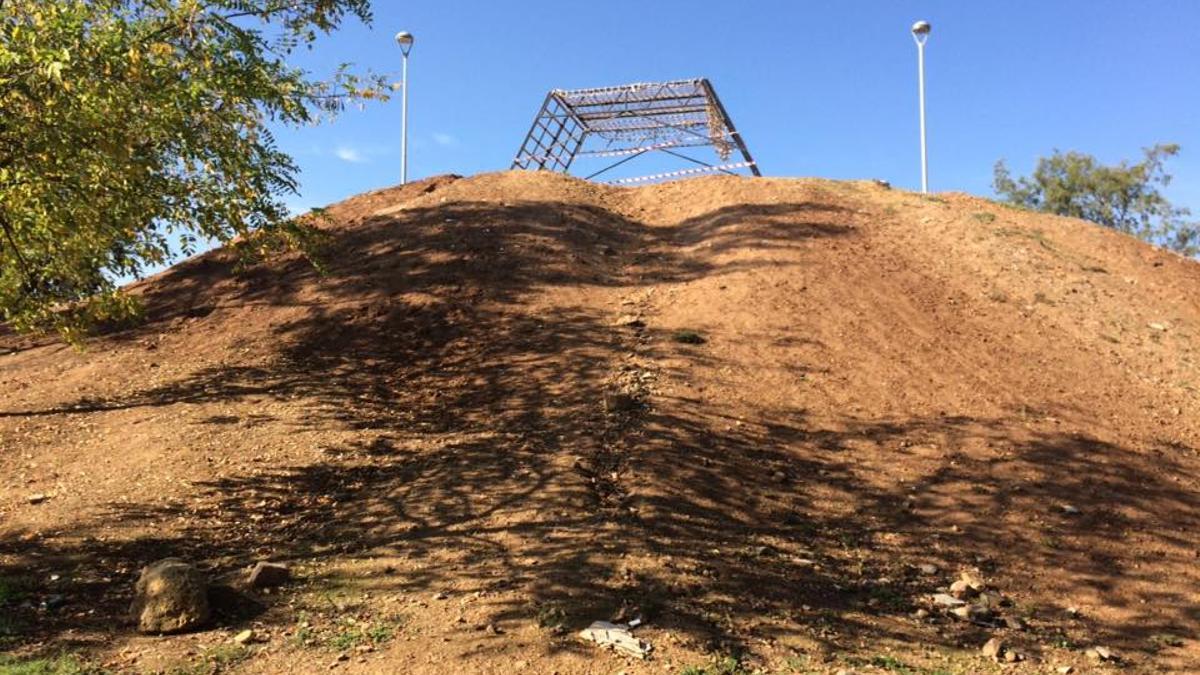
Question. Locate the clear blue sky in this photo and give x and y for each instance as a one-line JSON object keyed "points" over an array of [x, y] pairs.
{"points": [[817, 88]]}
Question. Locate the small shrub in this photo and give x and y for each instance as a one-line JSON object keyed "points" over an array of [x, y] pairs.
{"points": [[689, 337], [984, 217]]}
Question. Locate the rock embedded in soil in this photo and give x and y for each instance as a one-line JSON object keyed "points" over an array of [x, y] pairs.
{"points": [[972, 581], [962, 590], [993, 648], [268, 574], [619, 401], [947, 600], [1014, 622], [170, 596], [973, 613]]}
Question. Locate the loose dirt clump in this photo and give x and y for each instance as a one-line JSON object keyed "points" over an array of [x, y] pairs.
{"points": [[479, 431]]}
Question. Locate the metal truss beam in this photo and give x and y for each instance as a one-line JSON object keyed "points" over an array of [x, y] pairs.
{"points": [[630, 121]]}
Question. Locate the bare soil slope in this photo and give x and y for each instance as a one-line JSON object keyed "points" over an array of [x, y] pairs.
{"points": [[753, 412]]}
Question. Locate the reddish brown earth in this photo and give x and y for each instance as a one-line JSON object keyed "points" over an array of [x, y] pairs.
{"points": [[430, 433]]}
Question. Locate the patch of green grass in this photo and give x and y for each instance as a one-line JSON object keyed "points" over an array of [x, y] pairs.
{"points": [[721, 665], [552, 617], [347, 638], [1033, 235], [984, 217], [889, 599], [10, 628], [934, 198], [13, 589], [354, 635], [892, 664], [60, 665], [1161, 640], [215, 659], [798, 664], [688, 336]]}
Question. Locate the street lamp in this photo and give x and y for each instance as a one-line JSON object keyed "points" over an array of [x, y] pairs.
{"points": [[920, 32], [405, 40]]}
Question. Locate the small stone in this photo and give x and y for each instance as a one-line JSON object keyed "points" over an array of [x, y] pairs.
{"points": [[947, 600], [993, 648], [973, 581], [1066, 670], [778, 476], [973, 613], [989, 600], [493, 629], [1014, 622], [1073, 612], [37, 498], [928, 569], [619, 401], [1011, 656], [244, 637], [440, 595], [962, 590], [1158, 326], [267, 574], [1069, 510], [1102, 654], [921, 614]]}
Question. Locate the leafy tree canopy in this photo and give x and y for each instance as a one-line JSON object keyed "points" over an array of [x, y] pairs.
{"points": [[1125, 197], [132, 130]]}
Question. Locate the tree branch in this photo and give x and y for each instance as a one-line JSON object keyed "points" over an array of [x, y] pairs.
{"points": [[12, 242]]}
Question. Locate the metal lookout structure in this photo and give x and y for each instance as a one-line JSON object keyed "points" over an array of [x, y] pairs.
{"points": [[626, 122]]}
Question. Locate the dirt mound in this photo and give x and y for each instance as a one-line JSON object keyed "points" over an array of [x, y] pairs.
{"points": [[757, 413]]}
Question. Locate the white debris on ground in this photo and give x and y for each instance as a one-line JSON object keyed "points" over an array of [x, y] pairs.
{"points": [[616, 636]]}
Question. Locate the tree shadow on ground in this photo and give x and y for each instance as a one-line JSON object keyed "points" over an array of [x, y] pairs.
{"points": [[488, 450]]}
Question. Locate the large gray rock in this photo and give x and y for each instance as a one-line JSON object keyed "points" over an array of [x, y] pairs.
{"points": [[171, 596]]}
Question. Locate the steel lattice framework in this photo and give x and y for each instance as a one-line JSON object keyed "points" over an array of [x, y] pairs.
{"points": [[629, 121]]}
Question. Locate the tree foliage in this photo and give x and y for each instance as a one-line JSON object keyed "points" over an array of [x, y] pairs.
{"points": [[133, 130], [1125, 197]]}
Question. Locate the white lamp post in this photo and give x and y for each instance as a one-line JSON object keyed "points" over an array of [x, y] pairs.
{"points": [[405, 40], [920, 32]]}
